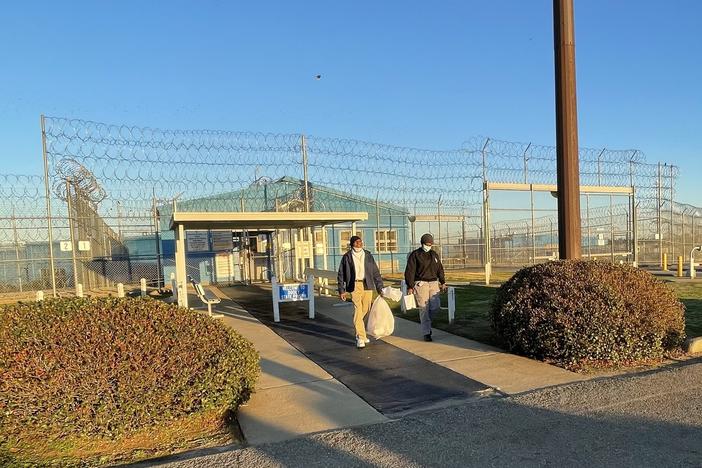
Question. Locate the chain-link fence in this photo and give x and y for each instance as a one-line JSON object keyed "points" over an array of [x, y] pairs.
{"points": [[100, 214]]}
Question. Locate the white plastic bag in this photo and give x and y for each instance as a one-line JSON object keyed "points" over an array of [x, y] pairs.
{"points": [[409, 302], [391, 293], [381, 322]]}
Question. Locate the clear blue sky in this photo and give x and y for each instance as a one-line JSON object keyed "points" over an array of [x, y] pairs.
{"points": [[411, 73]]}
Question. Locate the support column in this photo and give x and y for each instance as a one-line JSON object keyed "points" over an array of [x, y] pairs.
{"points": [[181, 271]]}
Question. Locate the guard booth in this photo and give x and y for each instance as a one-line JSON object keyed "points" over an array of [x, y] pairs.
{"points": [[266, 225]]}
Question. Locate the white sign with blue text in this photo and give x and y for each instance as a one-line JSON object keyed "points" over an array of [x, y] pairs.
{"points": [[292, 292]]}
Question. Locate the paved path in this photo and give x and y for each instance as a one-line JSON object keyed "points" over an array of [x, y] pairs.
{"points": [[294, 396], [393, 381], [493, 367]]}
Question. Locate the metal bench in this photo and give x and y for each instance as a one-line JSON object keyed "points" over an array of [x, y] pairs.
{"points": [[206, 297], [322, 278]]}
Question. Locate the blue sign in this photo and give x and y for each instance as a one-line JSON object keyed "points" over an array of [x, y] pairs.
{"points": [[293, 292]]}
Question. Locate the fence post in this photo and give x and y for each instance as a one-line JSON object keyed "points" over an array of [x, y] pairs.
{"points": [[276, 306], [635, 226], [451, 304], [693, 272], [142, 283], [120, 290], [403, 288], [659, 205], [174, 287], [310, 294], [526, 165], [680, 266], [672, 226], [79, 290], [48, 205], [533, 227]]}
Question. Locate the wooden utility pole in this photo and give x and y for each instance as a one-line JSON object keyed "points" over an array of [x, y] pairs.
{"points": [[568, 172]]}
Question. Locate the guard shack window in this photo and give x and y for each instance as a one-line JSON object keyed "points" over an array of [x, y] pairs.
{"points": [[386, 241], [344, 238]]}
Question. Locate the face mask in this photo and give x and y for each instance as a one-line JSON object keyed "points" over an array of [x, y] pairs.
{"points": [[357, 249], [426, 248]]}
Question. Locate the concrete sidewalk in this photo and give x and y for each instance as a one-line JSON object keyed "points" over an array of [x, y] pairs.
{"points": [[491, 366], [294, 396]]}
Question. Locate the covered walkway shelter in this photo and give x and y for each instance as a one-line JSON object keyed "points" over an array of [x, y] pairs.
{"points": [[183, 221]]}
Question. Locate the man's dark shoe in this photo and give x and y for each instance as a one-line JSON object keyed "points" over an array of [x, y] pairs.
{"points": [[427, 337]]}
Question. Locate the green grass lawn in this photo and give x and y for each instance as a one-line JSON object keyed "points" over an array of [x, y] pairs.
{"points": [[472, 314], [691, 295], [473, 309]]}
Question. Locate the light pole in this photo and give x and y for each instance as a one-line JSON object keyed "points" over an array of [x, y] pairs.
{"points": [[568, 172]]}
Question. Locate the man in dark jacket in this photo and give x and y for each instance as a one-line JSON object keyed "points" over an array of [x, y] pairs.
{"points": [[359, 276], [424, 275]]}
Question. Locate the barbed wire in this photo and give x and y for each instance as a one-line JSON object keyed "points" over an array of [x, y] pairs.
{"points": [[120, 177]]}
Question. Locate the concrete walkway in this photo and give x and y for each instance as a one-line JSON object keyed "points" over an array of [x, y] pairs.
{"points": [[491, 366], [294, 396], [393, 381]]}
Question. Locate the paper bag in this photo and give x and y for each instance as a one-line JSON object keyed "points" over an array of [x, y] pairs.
{"points": [[409, 302]]}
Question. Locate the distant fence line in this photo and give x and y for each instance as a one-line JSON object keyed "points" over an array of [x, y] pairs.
{"points": [[109, 183]]}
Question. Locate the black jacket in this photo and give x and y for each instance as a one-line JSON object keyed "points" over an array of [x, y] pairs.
{"points": [[347, 274], [423, 266]]}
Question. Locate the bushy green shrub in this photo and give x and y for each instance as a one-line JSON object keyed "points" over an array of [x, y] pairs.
{"points": [[577, 313], [108, 367]]}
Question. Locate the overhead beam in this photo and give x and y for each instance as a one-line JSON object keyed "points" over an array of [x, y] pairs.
{"points": [[270, 220], [603, 189], [431, 218]]}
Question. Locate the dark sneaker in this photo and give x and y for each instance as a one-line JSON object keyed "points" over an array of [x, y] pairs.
{"points": [[428, 337]]}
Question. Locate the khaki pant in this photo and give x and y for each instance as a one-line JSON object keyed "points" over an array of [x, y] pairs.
{"points": [[362, 300], [429, 302]]}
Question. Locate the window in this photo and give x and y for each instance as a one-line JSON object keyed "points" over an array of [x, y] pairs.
{"points": [[344, 238], [318, 237], [386, 241]]}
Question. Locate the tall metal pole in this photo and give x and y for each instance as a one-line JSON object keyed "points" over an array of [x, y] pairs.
{"points": [[303, 143], [48, 206], [526, 165], [157, 229], [438, 217], [659, 221], [71, 224], [635, 226], [482, 151], [682, 230], [387, 239], [672, 237], [463, 236], [693, 227], [377, 230], [589, 232], [599, 166], [568, 172], [611, 228], [533, 227], [17, 255]]}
